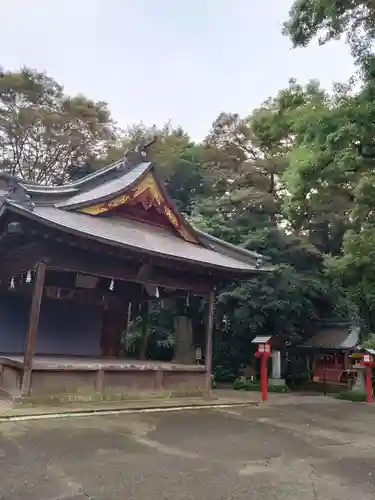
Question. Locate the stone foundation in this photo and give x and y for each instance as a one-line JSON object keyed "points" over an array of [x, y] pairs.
{"points": [[63, 380]]}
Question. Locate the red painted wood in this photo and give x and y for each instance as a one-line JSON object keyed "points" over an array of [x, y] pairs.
{"points": [[138, 212], [264, 377], [369, 384]]}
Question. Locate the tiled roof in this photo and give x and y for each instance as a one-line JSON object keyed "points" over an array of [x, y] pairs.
{"points": [[134, 235], [110, 188], [335, 337], [72, 187], [55, 206]]}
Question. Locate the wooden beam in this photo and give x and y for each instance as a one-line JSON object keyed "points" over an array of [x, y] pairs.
{"points": [[144, 272], [32, 329], [18, 261], [118, 269], [65, 258], [209, 332]]}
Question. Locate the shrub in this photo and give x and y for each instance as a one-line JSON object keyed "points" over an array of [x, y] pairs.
{"points": [[278, 388], [224, 373], [320, 387], [244, 384], [351, 396], [240, 384]]}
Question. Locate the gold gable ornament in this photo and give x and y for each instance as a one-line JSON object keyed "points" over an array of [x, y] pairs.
{"points": [[147, 186]]}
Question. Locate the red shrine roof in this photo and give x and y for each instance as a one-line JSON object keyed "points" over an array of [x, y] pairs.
{"points": [[125, 205]]}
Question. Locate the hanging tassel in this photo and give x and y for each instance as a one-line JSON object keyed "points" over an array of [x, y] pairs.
{"points": [[112, 285], [162, 304], [29, 277], [12, 283], [157, 293], [188, 300]]}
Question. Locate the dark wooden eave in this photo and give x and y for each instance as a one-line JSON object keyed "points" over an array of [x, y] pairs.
{"points": [[57, 208]]}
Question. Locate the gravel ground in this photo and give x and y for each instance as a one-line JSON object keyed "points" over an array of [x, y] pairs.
{"points": [[292, 448]]}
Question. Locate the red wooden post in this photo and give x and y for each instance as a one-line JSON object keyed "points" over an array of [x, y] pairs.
{"points": [[369, 384], [264, 352], [263, 377], [368, 362]]}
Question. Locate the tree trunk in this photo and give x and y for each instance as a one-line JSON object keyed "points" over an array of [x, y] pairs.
{"points": [[184, 351]]}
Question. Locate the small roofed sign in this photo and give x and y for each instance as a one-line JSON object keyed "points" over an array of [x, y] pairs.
{"points": [[261, 339]]}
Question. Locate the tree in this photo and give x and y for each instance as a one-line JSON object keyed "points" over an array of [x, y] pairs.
{"points": [[330, 179], [320, 172], [181, 161], [355, 272], [293, 181], [44, 133], [248, 159], [329, 20], [353, 267]]}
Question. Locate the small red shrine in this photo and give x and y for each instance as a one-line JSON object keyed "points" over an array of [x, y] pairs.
{"points": [[329, 352]]}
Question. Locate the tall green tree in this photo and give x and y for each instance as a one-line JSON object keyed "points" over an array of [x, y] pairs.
{"points": [[182, 162], [44, 134], [354, 266], [330, 19], [322, 166], [249, 158], [333, 163]]}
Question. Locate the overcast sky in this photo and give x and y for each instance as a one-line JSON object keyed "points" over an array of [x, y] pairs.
{"points": [[155, 60]]}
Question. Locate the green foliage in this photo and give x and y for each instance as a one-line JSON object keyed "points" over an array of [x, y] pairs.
{"points": [[250, 161], [225, 367], [329, 19], [330, 182], [182, 163], [355, 396], [44, 134], [293, 180], [160, 330], [244, 384], [369, 343]]}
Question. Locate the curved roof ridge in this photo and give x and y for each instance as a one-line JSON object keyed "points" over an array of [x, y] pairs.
{"points": [[131, 159], [103, 192], [34, 187], [96, 174]]}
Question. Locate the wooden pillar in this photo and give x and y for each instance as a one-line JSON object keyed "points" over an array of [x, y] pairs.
{"points": [[209, 332], [99, 384], [127, 326], [32, 328]]}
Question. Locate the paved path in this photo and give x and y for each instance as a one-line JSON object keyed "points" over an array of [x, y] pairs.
{"points": [[309, 448]]}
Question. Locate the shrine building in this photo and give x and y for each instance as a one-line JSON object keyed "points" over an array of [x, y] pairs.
{"points": [[80, 261]]}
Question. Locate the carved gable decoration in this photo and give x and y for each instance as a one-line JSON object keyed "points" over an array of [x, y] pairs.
{"points": [[144, 196]]}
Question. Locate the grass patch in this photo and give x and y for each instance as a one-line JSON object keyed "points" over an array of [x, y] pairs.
{"points": [[357, 396], [322, 387], [244, 384]]}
